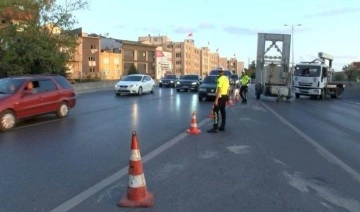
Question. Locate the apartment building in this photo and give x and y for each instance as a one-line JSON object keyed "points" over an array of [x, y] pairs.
{"points": [[186, 57], [235, 66], [209, 61], [85, 61], [139, 54], [111, 61], [17, 14]]}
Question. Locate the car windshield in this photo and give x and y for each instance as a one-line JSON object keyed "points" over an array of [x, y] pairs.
{"points": [[10, 86], [216, 72], [132, 78], [235, 76], [307, 71], [190, 77], [210, 79], [170, 77]]}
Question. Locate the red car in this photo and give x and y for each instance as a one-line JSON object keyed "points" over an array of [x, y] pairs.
{"points": [[27, 96]]}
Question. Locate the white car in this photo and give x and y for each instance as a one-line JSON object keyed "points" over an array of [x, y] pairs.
{"points": [[135, 84]]}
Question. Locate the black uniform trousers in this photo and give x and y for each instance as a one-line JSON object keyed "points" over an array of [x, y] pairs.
{"points": [[220, 109]]}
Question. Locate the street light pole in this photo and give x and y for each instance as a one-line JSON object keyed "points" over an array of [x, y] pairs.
{"points": [[292, 40]]}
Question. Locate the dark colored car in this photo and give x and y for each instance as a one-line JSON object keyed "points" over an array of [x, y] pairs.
{"points": [[207, 89], [27, 96], [190, 82], [168, 80]]}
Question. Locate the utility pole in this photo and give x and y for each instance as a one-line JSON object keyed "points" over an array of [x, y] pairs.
{"points": [[292, 40]]}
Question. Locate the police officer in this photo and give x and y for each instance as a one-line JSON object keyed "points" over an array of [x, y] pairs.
{"points": [[244, 82], [222, 92]]}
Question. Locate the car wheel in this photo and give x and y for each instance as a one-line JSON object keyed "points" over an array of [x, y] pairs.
{"points": [[178, 90], [160, 85], [140, 91], [7, 120], [297, 95], [152, 89], [63, 110], [117, 94]]}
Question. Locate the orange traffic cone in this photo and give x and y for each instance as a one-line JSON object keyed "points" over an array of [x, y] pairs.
{"points": [[193, 126], [137, 194], [230, 102]]}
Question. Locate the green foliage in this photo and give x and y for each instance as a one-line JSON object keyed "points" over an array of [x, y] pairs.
{"points": [[251, 70], [352, 72], [133, 70], [33, 46], [338, 76]]}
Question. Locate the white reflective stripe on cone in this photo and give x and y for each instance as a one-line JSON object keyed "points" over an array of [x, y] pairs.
{"points": [[193, 125], [135, 155], [137, 181]]}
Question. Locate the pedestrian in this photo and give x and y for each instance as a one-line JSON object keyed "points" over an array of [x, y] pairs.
{"points": [[244, 82], [222, 96]]}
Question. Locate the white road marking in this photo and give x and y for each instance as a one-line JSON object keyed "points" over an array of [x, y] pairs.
{"points": [[73, 202], [322, 151]]}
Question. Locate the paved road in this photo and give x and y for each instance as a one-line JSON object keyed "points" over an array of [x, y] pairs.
{"points": [[290, 156]]}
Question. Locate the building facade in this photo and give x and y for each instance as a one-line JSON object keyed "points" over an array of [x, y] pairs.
{"points": [[139, 54]]}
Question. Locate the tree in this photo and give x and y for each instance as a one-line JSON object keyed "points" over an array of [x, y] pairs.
{"points": [[133, 70], [352, 72], [42, 41], [251, 70], [339, 76]]}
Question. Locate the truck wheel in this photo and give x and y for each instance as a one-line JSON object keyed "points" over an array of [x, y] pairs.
{"points": [[257, 95], [335, 95], [297, 95], [322, 95]]}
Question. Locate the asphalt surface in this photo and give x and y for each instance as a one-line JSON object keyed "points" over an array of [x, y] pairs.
{"points": [[298, 155]]}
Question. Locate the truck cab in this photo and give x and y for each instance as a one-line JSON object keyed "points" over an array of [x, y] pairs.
{"points": [[315, 79]]}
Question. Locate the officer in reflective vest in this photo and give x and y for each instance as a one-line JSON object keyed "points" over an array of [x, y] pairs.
{"points": [[244, 82], [222, 92]]}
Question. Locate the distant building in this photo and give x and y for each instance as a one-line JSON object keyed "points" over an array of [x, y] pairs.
{"points": [[139, 54], [85, 61]]}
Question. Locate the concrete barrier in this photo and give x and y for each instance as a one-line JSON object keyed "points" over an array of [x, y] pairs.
{"points": [[94, 86]]}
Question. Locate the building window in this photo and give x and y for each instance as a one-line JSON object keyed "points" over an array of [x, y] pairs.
{"points": [[92, 46], [141, 56], [141, 67], [178, 62], [151, 56], [178, 55], [128, 55]]}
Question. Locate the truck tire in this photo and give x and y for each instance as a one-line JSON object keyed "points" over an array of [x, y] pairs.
{"points": [[335, 95], [323, 94], [297, 95], [257, 95]]}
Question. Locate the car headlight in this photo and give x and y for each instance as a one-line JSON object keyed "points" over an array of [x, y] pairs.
{"points": [[194, 83], [178, 83]]}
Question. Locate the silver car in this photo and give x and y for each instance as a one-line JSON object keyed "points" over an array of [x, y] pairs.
{"points": [[135, 84]]}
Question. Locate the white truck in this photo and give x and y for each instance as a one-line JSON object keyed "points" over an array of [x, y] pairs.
{"points": [[314, 78], [273, 77]]}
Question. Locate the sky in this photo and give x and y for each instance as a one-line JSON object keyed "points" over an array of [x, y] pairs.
{"points": [[232, 27]]}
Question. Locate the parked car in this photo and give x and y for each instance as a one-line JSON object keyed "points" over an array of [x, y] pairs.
{"points": [[189, 82], [135, 84], [168, 80], [27, 96], [207, 89]]}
